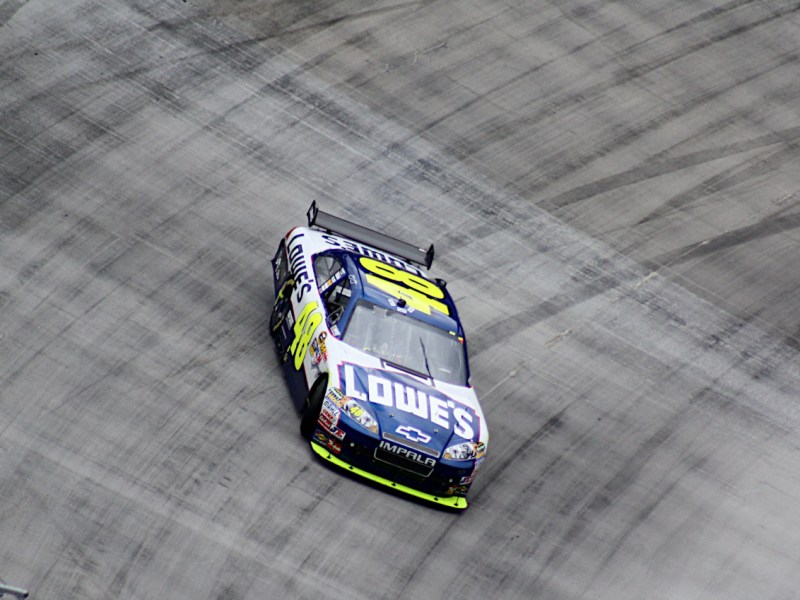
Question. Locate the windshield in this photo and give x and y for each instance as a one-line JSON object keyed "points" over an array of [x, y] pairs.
{"points": [[408, 342]]}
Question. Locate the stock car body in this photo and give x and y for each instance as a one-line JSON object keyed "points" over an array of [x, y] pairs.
{"points": [[376, 359]]}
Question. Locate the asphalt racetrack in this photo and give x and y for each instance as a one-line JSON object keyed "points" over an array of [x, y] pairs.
{"points": [[613, 192]]}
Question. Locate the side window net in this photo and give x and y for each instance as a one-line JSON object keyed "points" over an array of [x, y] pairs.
{"points": [[337, 299], [325, 268]]}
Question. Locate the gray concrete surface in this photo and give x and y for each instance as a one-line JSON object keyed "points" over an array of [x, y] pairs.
{"points": [[612, 190]]}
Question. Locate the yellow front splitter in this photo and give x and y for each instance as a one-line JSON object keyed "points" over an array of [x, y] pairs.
{"points": [[456, 502]]}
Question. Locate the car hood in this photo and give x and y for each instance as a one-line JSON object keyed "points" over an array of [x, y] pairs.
{"points": [[411, 409]]}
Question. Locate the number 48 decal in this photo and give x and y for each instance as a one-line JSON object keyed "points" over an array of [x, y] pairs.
{"points": [[304, 327], [418, 292]]}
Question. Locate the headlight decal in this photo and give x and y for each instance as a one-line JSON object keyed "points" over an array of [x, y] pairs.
{"points": [[462, 451], [352, 409], [356, 412]]}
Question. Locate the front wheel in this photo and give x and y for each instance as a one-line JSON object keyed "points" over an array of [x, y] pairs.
{"points": [[312, 408]]}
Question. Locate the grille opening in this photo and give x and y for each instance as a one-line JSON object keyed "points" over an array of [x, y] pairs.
{"points": [[401, 462]]}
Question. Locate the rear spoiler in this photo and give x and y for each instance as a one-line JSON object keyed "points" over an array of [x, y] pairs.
{"points": [[378, 240]]}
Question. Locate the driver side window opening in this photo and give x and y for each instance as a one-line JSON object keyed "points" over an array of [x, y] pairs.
{"points": [[333, 284], [337, 299], [325, 267]]}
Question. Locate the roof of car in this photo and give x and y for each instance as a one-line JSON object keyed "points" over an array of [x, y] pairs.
{"points": [[389, 281], [378, 289]]}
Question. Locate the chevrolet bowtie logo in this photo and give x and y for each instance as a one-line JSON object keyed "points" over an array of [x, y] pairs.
{"points": [[413, 434]]}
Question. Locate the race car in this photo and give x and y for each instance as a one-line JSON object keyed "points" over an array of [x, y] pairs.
{"points": [[376, 359]]}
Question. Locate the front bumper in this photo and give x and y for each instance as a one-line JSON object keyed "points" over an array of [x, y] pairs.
{"points": [[455, 502]]}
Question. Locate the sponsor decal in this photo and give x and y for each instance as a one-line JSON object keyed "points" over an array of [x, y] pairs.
{"points": [[400, 307], [334, 446], [467, 480], [412, 455], [406, 395], [329, 418], [351, 246], [297, 266], [334, 278], [336, 396], [459, 490], [413, 434], [318, 349], [480, 455], [320, 437], [480, 451]]}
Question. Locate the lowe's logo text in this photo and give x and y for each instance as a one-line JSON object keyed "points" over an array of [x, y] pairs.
{"points": [[388, 389]]}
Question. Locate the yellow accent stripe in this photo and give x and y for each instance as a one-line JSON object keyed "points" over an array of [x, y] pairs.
{"points": [[449, 501]]}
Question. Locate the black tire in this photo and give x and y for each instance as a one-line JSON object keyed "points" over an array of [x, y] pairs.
{"points": [[312, 408]]}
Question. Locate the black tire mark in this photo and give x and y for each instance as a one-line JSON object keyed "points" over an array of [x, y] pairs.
{"points": [[410, 569], [752, 167], [509, 130], [664, 166], [8, 9], [642, 516], [283, 31], [497, 332], [568, 167], [527, 445], [466, 147], [708, 15], [730, 239], [600, 502]]}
